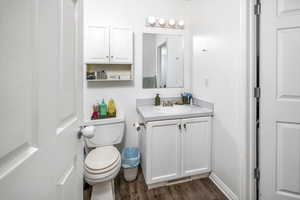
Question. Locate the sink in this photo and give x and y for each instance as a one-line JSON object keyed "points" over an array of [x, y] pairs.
{"points": [[148, 112], [176, 109]]}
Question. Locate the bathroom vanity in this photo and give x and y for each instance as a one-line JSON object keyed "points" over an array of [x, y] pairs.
{"points": [[175, 142]]}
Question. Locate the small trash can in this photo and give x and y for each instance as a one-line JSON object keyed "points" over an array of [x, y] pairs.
{"points": [[130, 162]]}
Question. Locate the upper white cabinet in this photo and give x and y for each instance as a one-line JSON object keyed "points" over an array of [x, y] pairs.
{"points": [[108, 45], [121, 44], [97, 44]]}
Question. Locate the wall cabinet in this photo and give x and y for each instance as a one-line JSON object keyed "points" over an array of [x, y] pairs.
{"points": [[174, 149], [108, 45]]}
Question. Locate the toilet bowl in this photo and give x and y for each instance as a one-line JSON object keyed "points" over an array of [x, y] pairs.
{"points": [[103, 162]]}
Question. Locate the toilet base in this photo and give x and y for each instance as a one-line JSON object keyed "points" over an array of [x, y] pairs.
{"points": [[103, 191]]}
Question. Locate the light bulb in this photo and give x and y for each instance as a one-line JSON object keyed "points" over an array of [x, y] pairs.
{"points": [[172, 22], [151, 20], [162, 21], [181, 23]]}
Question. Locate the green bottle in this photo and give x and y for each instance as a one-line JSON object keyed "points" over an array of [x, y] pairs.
{"points": [[103, 109], [157, 100]]}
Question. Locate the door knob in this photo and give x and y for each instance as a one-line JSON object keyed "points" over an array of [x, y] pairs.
{"points": [[87, 132]]}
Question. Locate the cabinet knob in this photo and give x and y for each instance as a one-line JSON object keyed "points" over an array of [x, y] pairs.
{"points": [[184, 125], [111, 56], [107, 56], [179, 126]]}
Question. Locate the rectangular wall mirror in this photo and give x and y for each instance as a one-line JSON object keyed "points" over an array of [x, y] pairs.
{"points": [[163, 63]]}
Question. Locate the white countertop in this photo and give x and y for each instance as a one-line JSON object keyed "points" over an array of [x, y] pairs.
{"points": [[156, 113]]}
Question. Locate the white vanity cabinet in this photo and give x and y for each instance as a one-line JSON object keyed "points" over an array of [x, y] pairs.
{"points": [[196, 146], [174, 149], [108, 45]]}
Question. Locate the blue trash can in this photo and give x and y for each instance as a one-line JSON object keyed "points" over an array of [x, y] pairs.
{"points": [[130, 162]]}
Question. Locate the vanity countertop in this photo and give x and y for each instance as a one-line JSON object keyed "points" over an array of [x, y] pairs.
{"points": [[156, 113]]}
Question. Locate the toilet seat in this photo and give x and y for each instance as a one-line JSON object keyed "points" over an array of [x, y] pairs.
{"points": [[93, 179], [102, 158], [102, 164]]}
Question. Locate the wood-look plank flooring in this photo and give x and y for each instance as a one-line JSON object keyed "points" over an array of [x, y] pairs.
{"points": [[201, 189]]}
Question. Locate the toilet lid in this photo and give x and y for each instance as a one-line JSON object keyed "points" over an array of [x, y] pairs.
{"points": [[101, 157]]}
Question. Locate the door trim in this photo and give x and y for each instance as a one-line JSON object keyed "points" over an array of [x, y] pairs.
{"points": [[252, 103]]}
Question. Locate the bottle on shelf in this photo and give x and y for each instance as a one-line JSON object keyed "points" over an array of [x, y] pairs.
{"points": [[103, 109], [112, 111]]}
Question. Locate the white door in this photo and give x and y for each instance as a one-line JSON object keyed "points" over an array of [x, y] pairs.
{"points": [[163, 144], [196, 146], [280, 101], [40, 87], [121, 45], [97, 45]]}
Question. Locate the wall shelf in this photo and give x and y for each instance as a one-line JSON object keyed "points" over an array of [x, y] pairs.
{"points": [[114, 72], [107, 80]]}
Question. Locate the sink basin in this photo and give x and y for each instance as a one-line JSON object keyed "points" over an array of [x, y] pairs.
{"points": [[176, 109]]}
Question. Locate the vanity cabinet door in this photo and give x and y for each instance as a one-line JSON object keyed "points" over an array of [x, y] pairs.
{"points": [[121, 45], [97, 45], [196, 146], [163, 156]]}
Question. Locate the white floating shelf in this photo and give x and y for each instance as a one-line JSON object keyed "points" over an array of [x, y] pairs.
{"points": [[107, 80]]}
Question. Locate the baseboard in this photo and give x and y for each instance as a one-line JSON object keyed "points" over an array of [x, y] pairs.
{"points": [[223, 187], [177, 181]]}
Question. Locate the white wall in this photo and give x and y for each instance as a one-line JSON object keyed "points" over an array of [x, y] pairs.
{"points": [[132, 13], [219, 76]]}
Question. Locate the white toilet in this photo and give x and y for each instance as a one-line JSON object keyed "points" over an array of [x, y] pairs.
{"points": [[103, 163]]}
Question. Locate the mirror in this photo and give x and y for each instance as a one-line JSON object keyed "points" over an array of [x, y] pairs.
{"points": [[163, 60]]}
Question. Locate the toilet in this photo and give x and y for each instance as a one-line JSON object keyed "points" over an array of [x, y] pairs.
{"points": [[103, 161]]}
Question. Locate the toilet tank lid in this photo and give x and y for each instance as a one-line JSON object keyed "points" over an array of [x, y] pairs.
{"points": [[118, 119]]}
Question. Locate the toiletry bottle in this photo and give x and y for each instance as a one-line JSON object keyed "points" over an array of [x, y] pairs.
{"points": [[103, 109], [157, 100], [95, 112], [99, 109], [112, 112], [103, 75]]}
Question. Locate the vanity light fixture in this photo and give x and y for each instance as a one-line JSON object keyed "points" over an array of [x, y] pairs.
{"points": [[180, 23], [161, 22], [151, 20]]}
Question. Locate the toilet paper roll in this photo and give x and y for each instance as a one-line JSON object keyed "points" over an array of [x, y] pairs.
{"points": [[88, 132]]}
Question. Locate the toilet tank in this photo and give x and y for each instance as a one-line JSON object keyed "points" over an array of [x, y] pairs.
{"points": [[108, 131]]}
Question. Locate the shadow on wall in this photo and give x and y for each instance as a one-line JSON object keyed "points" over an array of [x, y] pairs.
{"points": [[225, 156]]}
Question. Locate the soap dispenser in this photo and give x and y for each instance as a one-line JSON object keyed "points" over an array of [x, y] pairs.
{"points": [[157, 100]]}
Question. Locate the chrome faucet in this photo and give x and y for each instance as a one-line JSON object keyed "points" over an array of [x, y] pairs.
{"points": [[167, 103]]}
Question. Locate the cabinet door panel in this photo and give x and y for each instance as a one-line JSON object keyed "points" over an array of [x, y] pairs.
{"points": [[97, 45], [164, 146], [196, 146], [121, 42]]}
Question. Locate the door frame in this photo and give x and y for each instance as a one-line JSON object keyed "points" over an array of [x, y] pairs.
{"points": [[253, 81]]}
